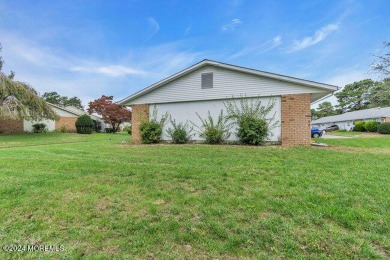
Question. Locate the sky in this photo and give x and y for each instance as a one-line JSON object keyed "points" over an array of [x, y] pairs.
{"points": [[93, 48]]}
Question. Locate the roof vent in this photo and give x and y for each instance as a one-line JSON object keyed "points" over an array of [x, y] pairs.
{"points": [[207, 80]]}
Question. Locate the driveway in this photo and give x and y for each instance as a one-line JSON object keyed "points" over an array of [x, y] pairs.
{"points": [[325, 136]]}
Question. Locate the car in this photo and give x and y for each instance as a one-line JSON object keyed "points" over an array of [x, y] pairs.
{"points": [[332, 128], [315, 133]]}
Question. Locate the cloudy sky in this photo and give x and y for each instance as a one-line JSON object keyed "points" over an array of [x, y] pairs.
{"points": [[90, 48]]}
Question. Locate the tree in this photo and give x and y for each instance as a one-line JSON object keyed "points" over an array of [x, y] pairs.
{"points": [[380, 94], [19, 100], [111, 113], [325, 109], [314, 114], [52, 97], [74, 101], [382, 65], [355, 96], [63, 101]]}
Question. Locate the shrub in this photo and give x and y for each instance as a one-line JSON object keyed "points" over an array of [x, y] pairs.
{"points": [[109, 130], [371, 126], [252, 130], [384, 128], [127, 129], [39, 128], [252, 119], [84, 124], [179, 133], [214, 133], [359, 126], [151, 130]]}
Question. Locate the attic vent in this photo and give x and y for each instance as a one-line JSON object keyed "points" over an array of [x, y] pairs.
{"points": [[207, 80]]}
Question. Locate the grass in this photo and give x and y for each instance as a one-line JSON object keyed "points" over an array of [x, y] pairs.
{"points": [[102, 199]]}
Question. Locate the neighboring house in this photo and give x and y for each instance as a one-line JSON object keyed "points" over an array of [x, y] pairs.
{"points": [[206, 85], [67, 119], [347, 120]]}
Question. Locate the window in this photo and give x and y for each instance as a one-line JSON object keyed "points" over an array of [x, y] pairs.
{"points": [[207, 80]]}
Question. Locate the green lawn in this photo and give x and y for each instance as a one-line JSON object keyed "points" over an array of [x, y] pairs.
{"points": [[102, 199]]}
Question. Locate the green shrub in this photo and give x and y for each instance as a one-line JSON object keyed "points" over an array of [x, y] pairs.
{"points": [[179, 133], [252, 130], [371, 126], [214, 133], [109, 130], [39, 128], [359, 126], [127, 129], [252, 119], [384, 128], [84, 124], [151, 130]]}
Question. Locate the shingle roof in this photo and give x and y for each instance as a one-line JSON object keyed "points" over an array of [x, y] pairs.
{"points": [[360, 114]]}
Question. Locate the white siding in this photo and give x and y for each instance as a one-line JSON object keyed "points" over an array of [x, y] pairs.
{"points": [[28, 125], [227, 84], [183, 111], [63, 113]]}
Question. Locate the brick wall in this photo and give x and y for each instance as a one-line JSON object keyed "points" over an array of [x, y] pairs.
{"points": [[11, 126], [140, 113], [67, 122], [296, 120]]}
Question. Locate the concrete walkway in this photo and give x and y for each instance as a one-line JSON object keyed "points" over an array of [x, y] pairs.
{"points": [[325, 136]]}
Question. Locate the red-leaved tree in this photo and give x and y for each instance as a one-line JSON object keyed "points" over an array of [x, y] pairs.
{"points": [[111, 113]]}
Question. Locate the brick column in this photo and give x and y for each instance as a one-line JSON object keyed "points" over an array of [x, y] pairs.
{"points": [[11, 126], [140, 113], [296, 120], [68, 122]]}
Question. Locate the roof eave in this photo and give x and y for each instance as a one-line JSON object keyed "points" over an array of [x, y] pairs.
{"points": [[327, 87]]}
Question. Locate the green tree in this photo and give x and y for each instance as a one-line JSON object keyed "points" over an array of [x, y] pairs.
{"points": [[19, 100], [326, 109], [355, 96], [74, 101], [63, 101], [380, 94], [52, 97]]}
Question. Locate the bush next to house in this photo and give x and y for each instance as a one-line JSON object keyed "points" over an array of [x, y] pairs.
{"points": [[214, 132], [371, 126], [127, 129], [151, 130], [39, 128], [84, 124], [180, 133], [359, 126], [384, 128], [254, 121], [252, 130]]}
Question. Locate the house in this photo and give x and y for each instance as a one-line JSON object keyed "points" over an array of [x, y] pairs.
{"points": [[206, 85], [66, 121], [347, 120]]}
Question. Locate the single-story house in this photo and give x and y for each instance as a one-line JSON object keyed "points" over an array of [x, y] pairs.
{"points": [[347, 120], [205, 87], [67, 119]]}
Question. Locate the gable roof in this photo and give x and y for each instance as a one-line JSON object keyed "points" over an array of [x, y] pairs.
{"points": [[355, 115], [206, 62], [74, 110]]}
